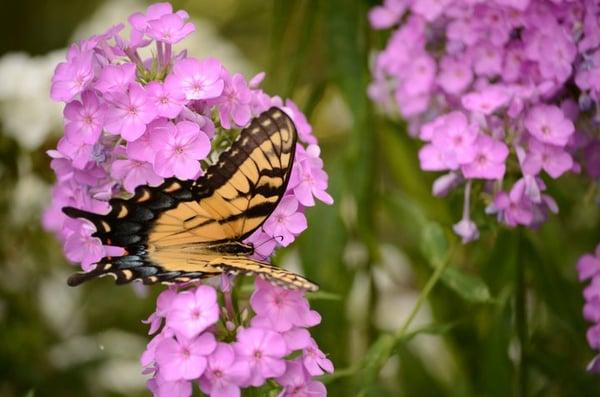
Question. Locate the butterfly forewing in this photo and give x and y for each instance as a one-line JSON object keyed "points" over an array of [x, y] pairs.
{"points": [[168, 231]]}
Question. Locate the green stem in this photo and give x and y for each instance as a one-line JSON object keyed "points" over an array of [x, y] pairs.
{"points": [[521, 327], [386, 345], [439, 270]]}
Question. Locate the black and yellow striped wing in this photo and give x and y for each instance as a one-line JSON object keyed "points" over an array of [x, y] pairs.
{"points": [[184, 230]]}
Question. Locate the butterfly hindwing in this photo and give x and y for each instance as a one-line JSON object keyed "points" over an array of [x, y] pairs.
{"points": [[169, 232]]}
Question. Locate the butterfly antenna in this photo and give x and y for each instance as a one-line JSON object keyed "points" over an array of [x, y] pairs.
{"points": [[265, 242]]}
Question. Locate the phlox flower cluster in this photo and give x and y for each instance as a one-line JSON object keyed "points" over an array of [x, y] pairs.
{"points": [[138, 111], [503, 93], [588, 267], [224, 350]]}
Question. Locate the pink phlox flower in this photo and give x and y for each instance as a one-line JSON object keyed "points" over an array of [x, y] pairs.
{"points": [[302, 125], [455, 75], [79, 153], [225, 373], [180, 358], [260, 102], [286, 221], [315, 361], [411, 105], [115, 78], [130, 112], [134, 173], [170, 28], [148, 357], [72, 77], [587, 77], [487, 100], [431, 158], [455, 138], [420, 76], [234, 102], [199, 79], [193, 311], [513, 208], [487, 59], [591, 310], [308, 178], [204, 122], [81, 247], [256, 80], [263, 244], [264, 351], [167, 98], [495, 23], [387, 15], [466, 229], [430, 9], [489, 159], [592, 291], [282, 308], [297, 382], [163, 305], [554, 53], [588, 265], [548, 124], [552, 159], [182, 146], [145, 147], [139, 20], [161, 387], [295, 339], [84, 120], [446, 183], [593, 336]]}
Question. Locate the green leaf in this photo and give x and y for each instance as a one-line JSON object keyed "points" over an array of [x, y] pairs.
{"points": [[469, 287], [324, 296], [434, 245]]}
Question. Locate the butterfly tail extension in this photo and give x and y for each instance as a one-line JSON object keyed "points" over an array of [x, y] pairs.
{"points": [[273, 274]]}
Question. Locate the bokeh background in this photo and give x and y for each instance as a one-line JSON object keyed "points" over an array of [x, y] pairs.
{"points": [[505, 319]]}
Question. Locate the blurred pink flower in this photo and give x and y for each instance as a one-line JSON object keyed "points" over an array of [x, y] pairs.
{"points": [[549, 125]]}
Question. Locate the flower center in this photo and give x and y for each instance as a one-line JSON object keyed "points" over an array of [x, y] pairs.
{"points": [[197, 86], [481, 159], [164, 100], [132, 110], [545, 130], [179, 149], [87, 119], [196, 314], [217, 373], [257, 354]]}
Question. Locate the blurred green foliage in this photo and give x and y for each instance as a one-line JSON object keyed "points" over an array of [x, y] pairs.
{"points": [[504, 320]]}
